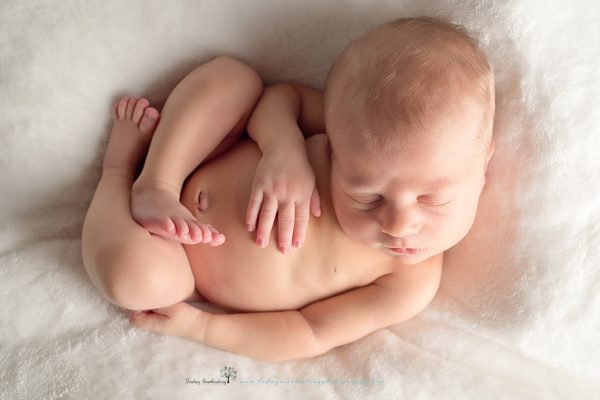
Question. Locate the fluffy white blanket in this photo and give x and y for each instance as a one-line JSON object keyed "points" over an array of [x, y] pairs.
{"points": [[518, 312]]}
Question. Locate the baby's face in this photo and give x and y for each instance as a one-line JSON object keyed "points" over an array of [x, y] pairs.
{"points": [[412, 202]]}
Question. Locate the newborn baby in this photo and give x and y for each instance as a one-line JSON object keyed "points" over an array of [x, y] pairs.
{"points": [[397, 150]]}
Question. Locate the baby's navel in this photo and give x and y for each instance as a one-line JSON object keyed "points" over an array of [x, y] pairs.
{"points": [[202, 201]]}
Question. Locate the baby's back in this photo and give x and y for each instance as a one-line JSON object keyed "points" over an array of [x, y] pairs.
{"points": [[241, 276]]}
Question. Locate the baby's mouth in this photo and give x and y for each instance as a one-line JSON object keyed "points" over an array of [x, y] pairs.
{"points": [[406, 250]]}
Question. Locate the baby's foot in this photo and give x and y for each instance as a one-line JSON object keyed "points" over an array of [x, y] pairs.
{"points": [[155, 206], [133, 127]]}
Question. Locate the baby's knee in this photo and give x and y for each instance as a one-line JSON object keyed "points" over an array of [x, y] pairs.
{"points": [[137, 282], [230, 71]]}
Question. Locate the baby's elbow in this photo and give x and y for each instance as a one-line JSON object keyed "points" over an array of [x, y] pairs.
{"points": [[294, 352], [304, 344]]}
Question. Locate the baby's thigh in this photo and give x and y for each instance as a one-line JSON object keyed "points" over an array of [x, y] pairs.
{"points": [[149, 271]]}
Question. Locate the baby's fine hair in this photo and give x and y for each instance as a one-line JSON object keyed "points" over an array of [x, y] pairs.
{"points": [[409, 70]]}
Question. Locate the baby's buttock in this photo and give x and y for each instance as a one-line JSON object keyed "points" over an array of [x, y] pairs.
{"points": [[240, 275]]}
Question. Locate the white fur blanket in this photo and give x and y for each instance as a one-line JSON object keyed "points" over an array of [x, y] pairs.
{"points": [[518, 312]]}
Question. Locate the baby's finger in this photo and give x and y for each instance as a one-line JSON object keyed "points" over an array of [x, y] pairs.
{"points": [[285, 225], [148, 320], [256, 199], [315, 203], [265, 224], [301, 223]]}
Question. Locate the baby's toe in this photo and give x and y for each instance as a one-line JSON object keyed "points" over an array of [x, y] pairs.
{"points": [[195, 231], [130, 107], [206, 233], [217, 238], [122, 107], [162, 226], [138, 111], [115, 113], [168, 226], [182, 227], [149, 120]]}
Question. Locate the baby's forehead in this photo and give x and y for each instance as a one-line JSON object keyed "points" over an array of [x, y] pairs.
{"points": [[456, 134], [433, 164], [403, 142]]}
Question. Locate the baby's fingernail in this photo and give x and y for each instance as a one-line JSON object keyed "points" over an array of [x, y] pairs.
{"points": [[298, 243], [284, 249], [250, 227], [262, 242]]}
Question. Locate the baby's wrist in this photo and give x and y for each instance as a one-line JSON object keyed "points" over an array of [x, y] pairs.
{"points": [[285, 145], [197, 332]]}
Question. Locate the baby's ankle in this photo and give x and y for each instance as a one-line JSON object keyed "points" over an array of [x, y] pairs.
{"points": [[149, 184], [117, 172]]}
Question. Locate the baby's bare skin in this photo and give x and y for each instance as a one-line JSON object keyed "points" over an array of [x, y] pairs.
{"points": [[330, 292], [155, 195], [398, 189], [239, 275]]}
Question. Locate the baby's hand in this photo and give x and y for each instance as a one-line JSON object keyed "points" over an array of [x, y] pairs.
{"points": [[179, 319], [284, 184]]}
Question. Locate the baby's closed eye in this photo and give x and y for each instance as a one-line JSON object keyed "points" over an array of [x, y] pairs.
{"points": [[366, 201], [433, 201]]}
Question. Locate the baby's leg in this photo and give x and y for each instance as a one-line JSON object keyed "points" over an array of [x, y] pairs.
{"points": [[130, 267], [205, 114]]}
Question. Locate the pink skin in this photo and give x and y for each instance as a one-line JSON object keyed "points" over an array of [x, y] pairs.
{"points": [[420, 195], [137, 118], [128, 111]]}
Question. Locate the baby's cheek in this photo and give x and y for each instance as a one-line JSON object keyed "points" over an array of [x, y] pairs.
{"points": [[462, 222], [364, 228]]}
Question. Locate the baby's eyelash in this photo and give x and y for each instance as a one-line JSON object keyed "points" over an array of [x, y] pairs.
{"points": [[436, 205], [367, 202], [365, 205], [370, 203]]}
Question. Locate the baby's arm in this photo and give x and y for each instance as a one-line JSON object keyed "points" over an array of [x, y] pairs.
{"points": [[284, 182], [286, 113], [323, 325], [318, 327]]}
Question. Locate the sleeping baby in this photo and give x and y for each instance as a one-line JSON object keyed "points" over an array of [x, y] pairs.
{"points": [[390, 160]]}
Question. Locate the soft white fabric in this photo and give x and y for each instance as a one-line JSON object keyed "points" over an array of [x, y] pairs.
{"points": [[518, 312]]}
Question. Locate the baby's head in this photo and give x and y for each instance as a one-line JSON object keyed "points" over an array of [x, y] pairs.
{"points": [[409, 109]]}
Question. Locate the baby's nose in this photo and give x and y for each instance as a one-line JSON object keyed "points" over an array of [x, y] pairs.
{"points": [[400, 224]]}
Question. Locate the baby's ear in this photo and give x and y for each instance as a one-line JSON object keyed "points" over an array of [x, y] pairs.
{"points": [[490, 154]]}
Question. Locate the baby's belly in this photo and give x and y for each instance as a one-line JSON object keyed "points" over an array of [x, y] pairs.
{"points": [[239, 275]]}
